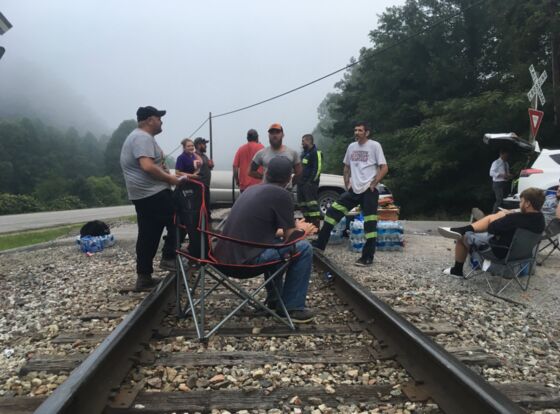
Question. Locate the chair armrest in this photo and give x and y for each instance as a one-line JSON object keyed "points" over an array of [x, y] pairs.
{"points": [[255, 244]]}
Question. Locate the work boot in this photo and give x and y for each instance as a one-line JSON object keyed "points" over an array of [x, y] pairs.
{"points": [[168, 264], [145, 282]]}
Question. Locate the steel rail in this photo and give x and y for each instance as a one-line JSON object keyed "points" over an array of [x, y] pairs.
{"points": [[453, 386], [87, 388]]}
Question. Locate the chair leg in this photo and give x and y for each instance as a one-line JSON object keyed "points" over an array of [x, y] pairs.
{"points": [[190, 302], [283, 305], [555, 246]]}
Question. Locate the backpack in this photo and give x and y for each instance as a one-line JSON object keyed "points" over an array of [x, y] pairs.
{"points": [[95, 228]]}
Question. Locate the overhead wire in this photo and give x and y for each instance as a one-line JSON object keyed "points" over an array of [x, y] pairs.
{"points": [[373, 54], [363, 59], [191, 134]]}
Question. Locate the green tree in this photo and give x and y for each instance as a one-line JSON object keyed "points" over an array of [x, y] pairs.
{"points": [[105, 192], [113, 151], [432, 94]]}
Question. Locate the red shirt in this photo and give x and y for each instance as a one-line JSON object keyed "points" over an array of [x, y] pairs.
{"points": [[242, 160]]}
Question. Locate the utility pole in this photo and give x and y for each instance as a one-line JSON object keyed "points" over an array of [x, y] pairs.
{"points": [[211, 140]]}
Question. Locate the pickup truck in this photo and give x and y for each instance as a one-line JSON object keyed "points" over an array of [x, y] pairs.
{"points": [[223, 191]]}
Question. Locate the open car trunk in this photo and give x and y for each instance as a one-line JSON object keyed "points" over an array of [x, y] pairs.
{"points": [[511, 142]]}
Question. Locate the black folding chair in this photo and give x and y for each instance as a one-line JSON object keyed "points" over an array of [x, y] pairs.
{"points": [[517, 264], [202, 267], [550, 235]]}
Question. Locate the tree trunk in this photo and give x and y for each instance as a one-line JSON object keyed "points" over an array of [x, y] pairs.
{"points": [[555, 39]]}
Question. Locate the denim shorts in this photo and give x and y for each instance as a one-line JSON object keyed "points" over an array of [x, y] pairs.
{"points": [[481, 241]]}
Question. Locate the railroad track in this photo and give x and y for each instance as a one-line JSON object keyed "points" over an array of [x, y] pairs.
{"points": [[361, 354]]}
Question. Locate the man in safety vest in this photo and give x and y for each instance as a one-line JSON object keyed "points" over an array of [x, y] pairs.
{"points": [[308, 185]]}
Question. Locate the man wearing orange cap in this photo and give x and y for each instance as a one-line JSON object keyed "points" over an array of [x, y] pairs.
{"points": [[276, 149]]}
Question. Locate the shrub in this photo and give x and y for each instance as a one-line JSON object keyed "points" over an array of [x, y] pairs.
{"points": [[67, 202], [18, 204]]}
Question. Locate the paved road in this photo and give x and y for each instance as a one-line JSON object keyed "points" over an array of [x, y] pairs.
{"points": [[18, 222]]}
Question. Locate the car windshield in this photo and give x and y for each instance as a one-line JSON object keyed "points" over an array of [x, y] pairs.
{"points": [[555, 158]]}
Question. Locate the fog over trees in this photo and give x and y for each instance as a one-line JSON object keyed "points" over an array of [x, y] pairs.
{"points": [[430, 93]]}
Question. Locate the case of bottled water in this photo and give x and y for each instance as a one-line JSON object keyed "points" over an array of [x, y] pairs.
{"points": [[93, 244], [357, 235], [390, 235]]}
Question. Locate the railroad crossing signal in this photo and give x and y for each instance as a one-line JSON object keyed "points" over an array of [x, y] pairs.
{"points": [[536, 91], [5, 25]]}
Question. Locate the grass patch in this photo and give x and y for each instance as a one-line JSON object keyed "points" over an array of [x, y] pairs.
{"points": [[27, 238]]}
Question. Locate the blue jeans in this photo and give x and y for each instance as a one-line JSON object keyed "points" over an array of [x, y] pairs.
{"points": [[294, 287]]}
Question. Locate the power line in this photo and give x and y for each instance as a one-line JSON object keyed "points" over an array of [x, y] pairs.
{"points": [[192, 133], [375, 53]]}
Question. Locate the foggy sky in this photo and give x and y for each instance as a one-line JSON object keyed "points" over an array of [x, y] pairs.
{"points": [[90, 64]]}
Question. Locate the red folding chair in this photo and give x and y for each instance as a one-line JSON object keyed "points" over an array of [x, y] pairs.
{"points": [[193, 289]]}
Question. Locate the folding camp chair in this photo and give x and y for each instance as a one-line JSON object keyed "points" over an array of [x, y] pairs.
{"points": [[203, 274], [518, 262], [550, 235]]}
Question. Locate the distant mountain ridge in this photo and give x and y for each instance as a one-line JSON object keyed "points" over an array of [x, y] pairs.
{"points": [[29, 91]]}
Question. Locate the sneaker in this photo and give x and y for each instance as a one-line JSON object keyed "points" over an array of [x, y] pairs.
{"points": [[476, 214], [362, 262], [450, 234], [168, 264], [301, 316], [449, 272]]}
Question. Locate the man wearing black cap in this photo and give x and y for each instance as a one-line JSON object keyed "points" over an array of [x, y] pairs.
{"points": [[205, 170], [148, 185], [256, 216], [242, 161]]}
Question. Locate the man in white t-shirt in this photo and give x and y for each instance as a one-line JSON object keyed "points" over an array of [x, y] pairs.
{"points": [[364, 168]]}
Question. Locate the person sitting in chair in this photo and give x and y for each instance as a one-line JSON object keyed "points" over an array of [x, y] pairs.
{"points": [[551, 206], [256, 217], [496, 231]]}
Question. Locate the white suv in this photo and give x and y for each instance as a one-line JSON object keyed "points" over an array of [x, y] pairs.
{"points": [[543, 174]]}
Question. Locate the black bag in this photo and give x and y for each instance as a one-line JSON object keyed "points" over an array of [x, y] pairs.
{"points": [[95, 228]]}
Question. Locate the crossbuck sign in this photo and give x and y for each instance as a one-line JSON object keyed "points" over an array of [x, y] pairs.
{"points": [[536, 91]]}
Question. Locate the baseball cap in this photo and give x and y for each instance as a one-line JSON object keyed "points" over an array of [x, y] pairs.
{"points": [[279, 170], [144, 112], [276, 126], [200, 140]]}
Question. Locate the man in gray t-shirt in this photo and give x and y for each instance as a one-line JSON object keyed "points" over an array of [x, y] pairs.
{"points": [[148, 183], [255, 217], [276, 149]]}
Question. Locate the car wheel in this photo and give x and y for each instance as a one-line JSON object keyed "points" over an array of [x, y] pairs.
{"points": [[326, 198]]}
